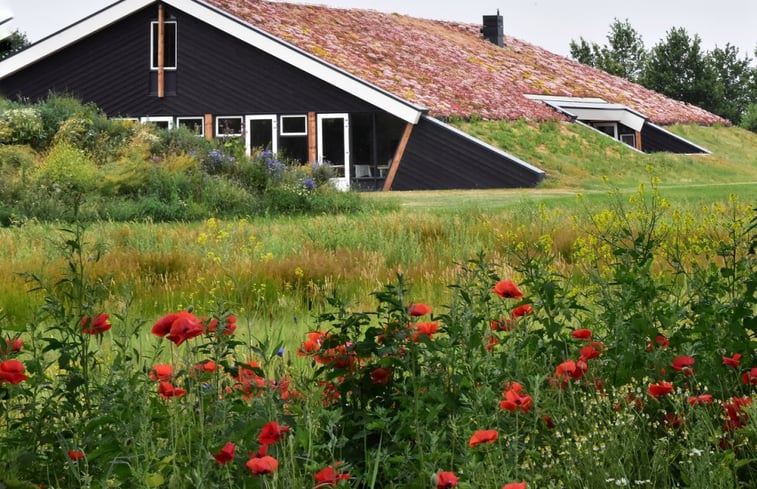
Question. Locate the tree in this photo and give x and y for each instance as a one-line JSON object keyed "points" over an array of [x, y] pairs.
{"points": [[676, 67], [13, 44], [733, 82], [624, 56]]}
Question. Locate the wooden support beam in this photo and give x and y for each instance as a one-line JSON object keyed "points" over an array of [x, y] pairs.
{"points": [[161, 52], [208, 126], [312, 140], [398, 157], [638, 140]]}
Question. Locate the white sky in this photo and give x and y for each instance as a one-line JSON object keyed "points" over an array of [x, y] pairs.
{"points": [[550, 24]]}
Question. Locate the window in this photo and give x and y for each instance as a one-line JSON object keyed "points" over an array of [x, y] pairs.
{"points": [[169, 51], [294, 125], [629, 139], [609, 128], [163, 122], [229, 126], [194, 124]]}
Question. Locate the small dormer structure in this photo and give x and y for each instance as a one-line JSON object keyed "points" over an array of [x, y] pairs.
{"points": [[619, 122]]}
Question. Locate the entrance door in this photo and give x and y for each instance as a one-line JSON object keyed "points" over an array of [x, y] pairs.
{"points": [[334, 146], [260, 132]]}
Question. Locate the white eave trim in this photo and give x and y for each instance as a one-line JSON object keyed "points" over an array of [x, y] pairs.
{"points": [[485, 145], [234, 27], [70, 35]]}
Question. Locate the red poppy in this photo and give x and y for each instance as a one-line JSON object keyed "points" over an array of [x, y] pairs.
{"points": [[12, 371], [491, 342], [700, 400], [262, 465], [683, 364], [673, 420], [15, 344], [228, 328], [588, 352], [381, 375], [178, 327], [521, 311], [427, 329], [582, 334], [661, 342], [736, 417], [732, 361], [168, 390], [206, 366], [95, 325], [515, 485], [502, 324], [660, 389], [507, 290], [271, 433], [226, 454], [161, 372], [483, 436], [750, 377], [75, 455], [445, 480], [419, 309], [329, 477], [312, 344], [515, 399], [548, 421]]}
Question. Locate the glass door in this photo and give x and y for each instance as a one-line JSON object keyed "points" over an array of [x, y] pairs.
{"points": [[260, 133], [334, 146]]}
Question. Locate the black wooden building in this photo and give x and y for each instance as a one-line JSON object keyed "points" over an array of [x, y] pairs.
{"points": [[187, 63]]}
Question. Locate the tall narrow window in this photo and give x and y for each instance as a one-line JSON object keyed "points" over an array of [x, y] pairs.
{"points": [[169, 39]]}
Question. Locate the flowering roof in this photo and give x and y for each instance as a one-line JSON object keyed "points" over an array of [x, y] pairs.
{"points": [[448, 67]]}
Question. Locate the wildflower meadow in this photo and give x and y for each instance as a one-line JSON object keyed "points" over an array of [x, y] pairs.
{"points": [[627, 359]]}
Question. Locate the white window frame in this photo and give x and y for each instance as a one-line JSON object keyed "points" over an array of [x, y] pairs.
{"points": [[153, 23], [163, 118], [200, 118], [232, 135], [304, 117], [248, 133], [632, 139]]}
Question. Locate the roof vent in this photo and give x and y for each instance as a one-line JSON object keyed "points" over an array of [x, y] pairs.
{"points": [[494, 29]]}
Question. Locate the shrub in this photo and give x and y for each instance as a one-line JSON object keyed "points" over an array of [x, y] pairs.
{"points": [[21, 125], [56, 109], [749, 119], [67, 169]]}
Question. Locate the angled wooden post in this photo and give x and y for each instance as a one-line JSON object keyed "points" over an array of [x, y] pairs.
{"points": [[208, 120], [638, 141], [398, 157]]}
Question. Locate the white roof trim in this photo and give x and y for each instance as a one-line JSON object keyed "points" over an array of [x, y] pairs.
{"points": [[486, 145], [233, 26]]}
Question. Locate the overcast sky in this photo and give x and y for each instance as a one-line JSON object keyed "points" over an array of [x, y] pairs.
{"points": [[550, 24]]}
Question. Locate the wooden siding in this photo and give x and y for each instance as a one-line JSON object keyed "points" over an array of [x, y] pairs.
{"points": [[437, 159], [654, 139], [217, 73]]}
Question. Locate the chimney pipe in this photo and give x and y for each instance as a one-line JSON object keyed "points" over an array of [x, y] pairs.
{"points": [[494, 29]]}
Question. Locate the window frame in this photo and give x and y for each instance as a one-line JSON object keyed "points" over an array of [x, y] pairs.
{"points": [[284, 133], [186, 118], [158, 118], [153, 47], [232, 135]]}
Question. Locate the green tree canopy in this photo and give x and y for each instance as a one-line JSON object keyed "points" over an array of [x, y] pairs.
{"points": [[13, 43], [623, 55], [734, 79], [677, 68]]}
